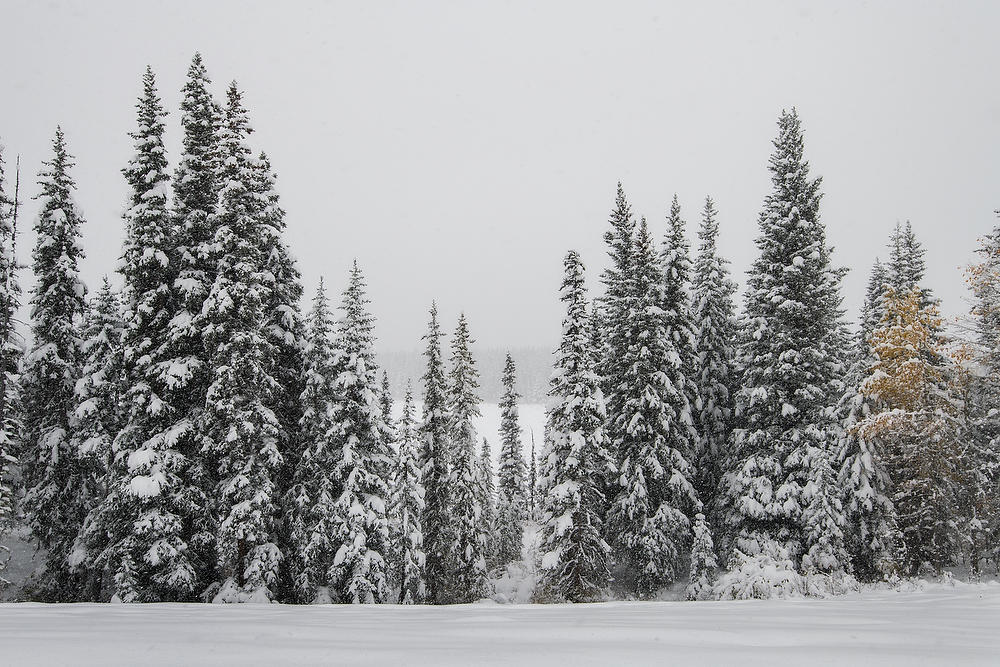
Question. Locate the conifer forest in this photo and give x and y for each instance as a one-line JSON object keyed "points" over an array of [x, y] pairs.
{"points": [[204, 425]]}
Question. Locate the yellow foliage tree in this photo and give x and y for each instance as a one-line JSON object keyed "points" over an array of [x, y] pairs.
{"points": [[917, 426], [903, 343]]}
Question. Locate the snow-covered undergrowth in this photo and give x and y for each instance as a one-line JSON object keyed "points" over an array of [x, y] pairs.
{"points": [[935, 624]]}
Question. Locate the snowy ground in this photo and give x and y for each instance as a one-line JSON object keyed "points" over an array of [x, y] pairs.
{"points": [[940, 625]]}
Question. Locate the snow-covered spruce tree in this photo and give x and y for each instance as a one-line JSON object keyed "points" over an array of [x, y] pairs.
{"points": [[512, 505], [648, 520], [241, 430], [469, 576], [615, 313], [827, 562], [486, 485], [405, 508], [675, 262], [385, 404], [315, 488], [96, 419], [918, 425], [791, 347], [435, 466], [873, 539], [10, 355], [184, 356], [533, 481], [715, 372], [359, 574], [873, 307], [983, 496], [141, 532], [575, 557], [283, 329], [907, 265], [703, 563], [59, 484]]}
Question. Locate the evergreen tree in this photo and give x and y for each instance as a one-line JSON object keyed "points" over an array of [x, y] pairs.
{"points": [[58, 483], [791, 344], [907, 265], [872, 535], [186, 366], [575, 556], [141, 532], [616, 312], [385, 403], [487, 501], [96, 420], [703, 563], [469, 577], [10, 354], [533, 482], [982, 498], [315, 488], [436, 462], [675, 261], [284, 326], [512, 505], [873, 307], [406, 506], [647, 519], [283, 330], [359, 571], [715, 372], [827, 560], [918, 424], [241, 429]]}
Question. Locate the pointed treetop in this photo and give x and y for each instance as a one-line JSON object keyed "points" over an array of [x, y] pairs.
{"points": [[709, 226], [464, 376], [56, 181]]}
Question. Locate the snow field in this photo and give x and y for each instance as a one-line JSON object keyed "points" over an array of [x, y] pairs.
{"points": [[939, 625]]}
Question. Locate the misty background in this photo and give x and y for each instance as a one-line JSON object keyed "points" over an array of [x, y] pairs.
{"points": [[457, 150]]}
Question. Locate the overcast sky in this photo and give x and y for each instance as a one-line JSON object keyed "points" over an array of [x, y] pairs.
{"points": [[457, 150]]}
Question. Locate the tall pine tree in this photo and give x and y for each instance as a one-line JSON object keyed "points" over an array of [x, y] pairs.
{"points": [[241, 429], [575, 556], [512, 505], [10, 355], [469, 576], [315, 487], [96, 420], [864, 476], [186, 365], [142, 531], [57, 481], [982, 498], [615, 314], [282, 285], [715, 372], [406, 506], [487, 502], [436, 462], [675, 261], [648, 520], [360, 572], [790, 343]]}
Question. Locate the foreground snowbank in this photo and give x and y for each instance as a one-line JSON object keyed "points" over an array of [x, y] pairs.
{"points": [[941, 625]]}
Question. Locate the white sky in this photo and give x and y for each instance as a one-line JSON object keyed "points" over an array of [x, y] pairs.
{"points": [[459, 149]]}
